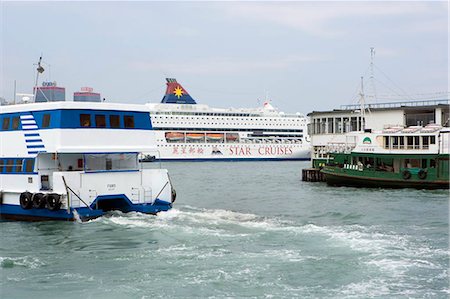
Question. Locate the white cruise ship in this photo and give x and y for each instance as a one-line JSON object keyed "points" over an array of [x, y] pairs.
{"points": [[186, 130]]}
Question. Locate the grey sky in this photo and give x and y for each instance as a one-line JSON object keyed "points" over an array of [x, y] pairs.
{"points": [[306, 55]]}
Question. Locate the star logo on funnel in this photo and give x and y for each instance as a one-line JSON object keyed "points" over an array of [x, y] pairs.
{"points": [[178, 92]]}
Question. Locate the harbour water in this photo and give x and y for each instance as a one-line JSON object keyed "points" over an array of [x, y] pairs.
{"points": [[246, 229]]}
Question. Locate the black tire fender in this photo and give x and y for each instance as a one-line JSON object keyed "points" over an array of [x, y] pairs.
{"points": [[38, 201], [422, 174], [406, 174], [25, 200], [53, 201]]}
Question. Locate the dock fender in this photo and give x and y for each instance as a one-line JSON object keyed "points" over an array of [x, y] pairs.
{"points": [[406, 174], [26, 201], [53, 201], [422, 174], [38, 200], [173, 195]]}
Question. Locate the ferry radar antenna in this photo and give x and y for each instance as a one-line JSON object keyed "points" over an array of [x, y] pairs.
{"points": [[39, 70]]}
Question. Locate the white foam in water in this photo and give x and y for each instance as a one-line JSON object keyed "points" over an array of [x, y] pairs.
{"points": [[24, 261], [76, 216]]}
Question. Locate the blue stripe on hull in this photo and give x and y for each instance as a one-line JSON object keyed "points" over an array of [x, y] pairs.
{"points": [[15, 212]]}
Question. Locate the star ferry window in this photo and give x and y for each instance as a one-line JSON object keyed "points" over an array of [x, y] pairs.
{"points": [[128, 121], [9, 165], [85, 120], [29, 165], [18, 166], [15, 123], [114, 121], [100, 121], [5, 125], [432, 140], [46, 121]]}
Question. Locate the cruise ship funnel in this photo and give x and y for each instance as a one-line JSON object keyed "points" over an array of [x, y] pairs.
{"points": [[176, 94]]}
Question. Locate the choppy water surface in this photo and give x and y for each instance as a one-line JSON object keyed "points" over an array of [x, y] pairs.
{"points": [[242, 229]]}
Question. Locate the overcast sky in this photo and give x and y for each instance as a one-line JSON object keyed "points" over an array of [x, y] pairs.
{"points": [[305, 55]]}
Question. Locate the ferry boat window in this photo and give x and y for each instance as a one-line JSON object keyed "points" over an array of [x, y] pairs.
{"points": [[107, 162], [18, 165], [46, 121], [2, 163], [395, 142], [9, 165], [386, 142], [128, 121], [29, 165], [432, 163], [432, 140], [409, 140], [354, 124], [100, 121], [401, 141], [425, 142], [5, 125], [416, 142], [114, 121], [424, 163], [85, 120], [15, 123]]}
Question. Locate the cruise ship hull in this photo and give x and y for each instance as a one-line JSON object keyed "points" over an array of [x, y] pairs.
{"points": [[232, 152]]}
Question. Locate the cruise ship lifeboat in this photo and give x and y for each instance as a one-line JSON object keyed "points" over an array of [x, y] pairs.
{"points": [[195, 136], [174, 136], [214, 136]]}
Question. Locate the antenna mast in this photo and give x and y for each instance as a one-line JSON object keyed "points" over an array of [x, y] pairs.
{"points": [[372, 73], [362, 102], [39, 70]]}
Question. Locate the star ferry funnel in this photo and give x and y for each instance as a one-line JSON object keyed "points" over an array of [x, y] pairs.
{"points": [[176, 94]]}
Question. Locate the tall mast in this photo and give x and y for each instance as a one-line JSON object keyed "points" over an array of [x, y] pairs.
{"points": [[362, 103], [39, 70], [372, 73]]}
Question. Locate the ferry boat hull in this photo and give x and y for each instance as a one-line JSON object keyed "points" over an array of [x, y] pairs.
{"points": [[348, 180], [414, 157], [233, 152]]}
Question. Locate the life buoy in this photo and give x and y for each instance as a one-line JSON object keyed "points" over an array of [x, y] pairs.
{"points": [[422, 174], [53, 202], [38, 200], [25, 200], [406, 174]]}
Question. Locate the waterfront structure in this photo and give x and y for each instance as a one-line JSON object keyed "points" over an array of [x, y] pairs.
{"points": [[86, 94], [397, 157], [70, 160], [49, 92], [186, 130], [331, 128]]}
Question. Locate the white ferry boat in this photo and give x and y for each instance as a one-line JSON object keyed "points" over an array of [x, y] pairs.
{"points": [[75, 160], [186, 130]]}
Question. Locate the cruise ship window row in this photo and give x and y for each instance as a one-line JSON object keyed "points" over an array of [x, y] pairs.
{"points": [[223, 114], [222, 118], [258, 130], [227, 124]]}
